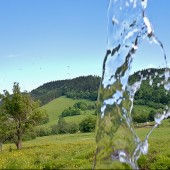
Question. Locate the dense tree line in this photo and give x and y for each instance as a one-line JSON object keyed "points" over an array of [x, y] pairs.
{"points": [[151, 94], [84, 87]]}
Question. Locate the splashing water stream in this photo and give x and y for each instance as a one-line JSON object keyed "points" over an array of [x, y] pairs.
{"points": [[118, 146]]}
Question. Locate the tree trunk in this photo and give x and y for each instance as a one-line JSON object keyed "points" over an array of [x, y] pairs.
{"points": [[19, 144], [0, 146]]}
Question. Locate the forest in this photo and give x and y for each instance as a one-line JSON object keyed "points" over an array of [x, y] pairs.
{"points": [[86, 87]]}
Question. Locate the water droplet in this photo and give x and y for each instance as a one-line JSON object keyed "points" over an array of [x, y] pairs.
{"points": [[144, 147], [158, 118]]}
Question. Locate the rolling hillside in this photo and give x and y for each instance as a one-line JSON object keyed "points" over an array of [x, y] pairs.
{"points": [[56, 106], [83, 87]]}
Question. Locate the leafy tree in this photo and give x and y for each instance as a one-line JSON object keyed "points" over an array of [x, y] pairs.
{"points": [[54, 129], [43, 131], [81, 105], [21, 113], [87, 125], [71, 111], [4, 130], [72, 128], [62, 125], [151, 115], [44, 118]]}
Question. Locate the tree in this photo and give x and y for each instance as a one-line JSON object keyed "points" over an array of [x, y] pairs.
{"points": [[87, 124], [4, 130], [72, 128], [62, 125], [21, 113]]}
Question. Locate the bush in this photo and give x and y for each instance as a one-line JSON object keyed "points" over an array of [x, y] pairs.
{"points": [[71, 112], [62, 126], [43, 131], [151, 115], [72, 128], [91, 107], [81, 105], [44, 118], [140, 117], [87, 125], [54, 129], [30, 136]]}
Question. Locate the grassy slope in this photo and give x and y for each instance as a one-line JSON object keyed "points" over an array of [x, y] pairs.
{"points": [[55, 108], [76, 151]]}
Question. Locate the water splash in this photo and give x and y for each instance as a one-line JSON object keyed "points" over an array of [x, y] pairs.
{"points": [[118, 146]]}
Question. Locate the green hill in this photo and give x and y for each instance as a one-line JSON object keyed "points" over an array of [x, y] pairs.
{"points": [[56, 106], [86, 87], [83, 87], [65, 93]]}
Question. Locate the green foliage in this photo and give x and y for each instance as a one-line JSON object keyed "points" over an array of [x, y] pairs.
{"points": [[77, 108], [44, 118], [151, 115], [72, 128], [141, 113], [81, 105], [84, 87], [76, 151], [62, 125], [57, 106], [87, 124], [153, 96], [32, 134], [71, 111], [20, 113], [54, 129], [43, 131]]}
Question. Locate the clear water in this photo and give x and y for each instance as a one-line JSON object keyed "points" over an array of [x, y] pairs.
{"points": [[118, 146]]}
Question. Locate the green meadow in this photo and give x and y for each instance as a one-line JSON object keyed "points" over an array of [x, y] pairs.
{"points": [[56, 106], [76, 151]]}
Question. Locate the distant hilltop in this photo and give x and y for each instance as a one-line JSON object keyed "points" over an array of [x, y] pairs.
{"points": [[86, 87]]}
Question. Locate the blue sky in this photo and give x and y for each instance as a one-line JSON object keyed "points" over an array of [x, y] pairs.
{"points": [[46, 40]]}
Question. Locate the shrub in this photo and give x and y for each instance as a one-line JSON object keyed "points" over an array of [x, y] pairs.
{"points": [[54, 129], [87, 124], [151, 115], [71, 112], [62, 125], [91, 107], [140, 117], [30, 136], [72, 128], [43, 131], [81, 105]]}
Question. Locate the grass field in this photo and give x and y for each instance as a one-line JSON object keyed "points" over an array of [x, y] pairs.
{"points": [[76, 151], [56, 106]]}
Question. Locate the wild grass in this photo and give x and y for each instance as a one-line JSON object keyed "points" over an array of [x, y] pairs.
{"points": [[76, 151]]}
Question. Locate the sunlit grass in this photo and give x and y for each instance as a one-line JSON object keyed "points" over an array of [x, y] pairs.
{"points": [[76, 151], [56, 106]]}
